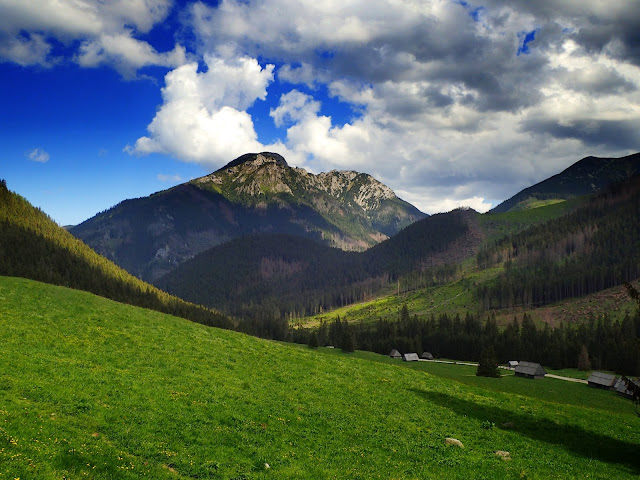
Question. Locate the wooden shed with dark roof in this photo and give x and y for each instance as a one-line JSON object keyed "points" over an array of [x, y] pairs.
{"points": [[395, 354], [530, 370], [426, 356], [602, 380], [622, 389]]}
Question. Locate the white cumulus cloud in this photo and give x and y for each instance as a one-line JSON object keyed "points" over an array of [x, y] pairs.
{"points": [[203, 118], [168, 178], [105, 32], [38, 155]]}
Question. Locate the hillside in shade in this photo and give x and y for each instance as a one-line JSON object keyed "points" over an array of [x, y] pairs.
{"points": [[282, 274], [584, 177]]}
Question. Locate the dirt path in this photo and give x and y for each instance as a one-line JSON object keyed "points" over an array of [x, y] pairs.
{"points": [[568, 379]]}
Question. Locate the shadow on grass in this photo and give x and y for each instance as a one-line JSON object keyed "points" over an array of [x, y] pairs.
{"points": [[570, 437]]}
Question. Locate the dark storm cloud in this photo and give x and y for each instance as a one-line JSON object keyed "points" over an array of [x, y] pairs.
{"points": [[620, 37], [597, 26], [443, 51], [600, 81], [622, 134]]}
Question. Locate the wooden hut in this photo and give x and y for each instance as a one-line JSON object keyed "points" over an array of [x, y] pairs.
{"points": [[426, 356], [395, 354], [602, 380], [512, 364], [410, 357], [622, 389], [530, 370]]}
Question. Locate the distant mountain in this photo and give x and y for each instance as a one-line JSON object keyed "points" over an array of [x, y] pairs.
{"points": [[33, 246], [279, 275], [253, 194], [582, 178]]}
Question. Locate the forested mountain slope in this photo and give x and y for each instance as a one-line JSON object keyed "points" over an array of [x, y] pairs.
{"points": [[574, 252], [277, 275], [595, 247], [256, 193], [33, 246]]}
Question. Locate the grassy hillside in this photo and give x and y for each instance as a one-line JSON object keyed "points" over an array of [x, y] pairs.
{"points": [[90, 388], [496, 225], [456, 297], [34, 246]]}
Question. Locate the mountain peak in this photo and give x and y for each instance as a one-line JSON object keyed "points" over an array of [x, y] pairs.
{"points": [[584, 177], [257, 159]]}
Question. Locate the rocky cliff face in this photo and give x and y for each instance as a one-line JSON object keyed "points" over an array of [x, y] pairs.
{"points": [[264, 173], [254, 179], [255, 193]]}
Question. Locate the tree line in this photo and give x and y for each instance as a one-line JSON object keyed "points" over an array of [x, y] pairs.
{"points": [[609, 345]]}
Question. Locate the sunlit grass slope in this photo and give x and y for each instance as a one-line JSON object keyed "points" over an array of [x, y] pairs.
{"points": [[90, 388], [452, 298], [457, 298]]}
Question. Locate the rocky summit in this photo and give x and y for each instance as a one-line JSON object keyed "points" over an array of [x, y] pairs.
{"points": [[255, 193], [258, 176]]}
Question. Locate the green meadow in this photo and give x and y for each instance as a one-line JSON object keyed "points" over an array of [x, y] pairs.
{"points": [[90, 388]]}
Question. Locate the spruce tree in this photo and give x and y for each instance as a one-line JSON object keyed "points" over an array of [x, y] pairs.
{"points": [[313, 340], [404, 313], [488, 365], [584, 363], [347, 342]]}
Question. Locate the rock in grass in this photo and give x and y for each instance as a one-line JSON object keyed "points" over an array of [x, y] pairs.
{"points": [[453, 441], [504, 455]]}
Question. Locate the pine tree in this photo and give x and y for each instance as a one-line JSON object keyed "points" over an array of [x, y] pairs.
{"points": [[404, 313], [313, 340], [347, 342], [488, 365], [584, 363]]}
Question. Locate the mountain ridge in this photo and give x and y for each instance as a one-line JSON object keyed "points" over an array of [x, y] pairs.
{"points": [[255, 193], [584, 177]]}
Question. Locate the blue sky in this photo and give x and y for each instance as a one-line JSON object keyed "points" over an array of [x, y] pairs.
{"points": [[449, 103]]}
